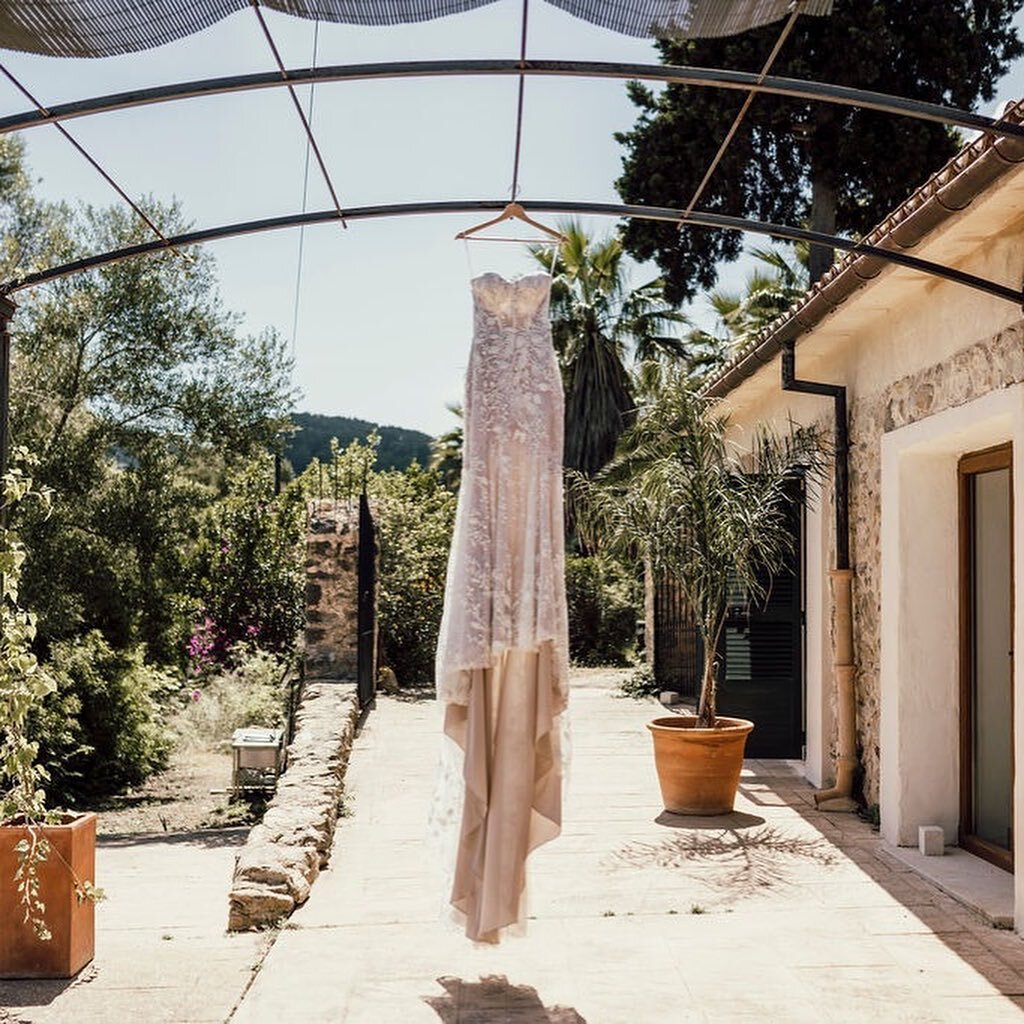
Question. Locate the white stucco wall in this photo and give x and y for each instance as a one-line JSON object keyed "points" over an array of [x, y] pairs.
{"points": [[920, 607], [932, 370]]}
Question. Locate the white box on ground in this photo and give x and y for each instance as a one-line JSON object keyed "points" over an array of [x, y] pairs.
{"points": [[257, 759], [256, 748], [931, 840]]}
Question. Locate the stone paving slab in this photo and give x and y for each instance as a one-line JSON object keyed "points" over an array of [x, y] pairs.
{"points": [[982, 886], [777, 913], [162, 953]]}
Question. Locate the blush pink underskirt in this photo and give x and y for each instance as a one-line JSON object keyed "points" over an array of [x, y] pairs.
{"points": [[510, 739]]}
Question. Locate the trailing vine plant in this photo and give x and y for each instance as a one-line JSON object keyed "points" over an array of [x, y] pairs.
{"points": [[23, 683]]}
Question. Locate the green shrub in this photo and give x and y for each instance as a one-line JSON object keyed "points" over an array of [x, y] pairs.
{"points": [[105, 727], [252, 692], [602, 600], [249, 576], [415, 518], [640, 684]]}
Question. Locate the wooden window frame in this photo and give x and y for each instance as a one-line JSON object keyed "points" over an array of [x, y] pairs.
{"points": [[969, 466]]}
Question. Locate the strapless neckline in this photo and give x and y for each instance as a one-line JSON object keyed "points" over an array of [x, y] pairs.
{"points": [[518, 279]]}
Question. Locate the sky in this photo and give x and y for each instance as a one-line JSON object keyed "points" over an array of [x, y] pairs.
{"points": [[384, 314]]}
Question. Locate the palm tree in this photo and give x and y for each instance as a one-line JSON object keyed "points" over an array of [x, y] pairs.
{"points": [[599, 324], [768, 292], [446, 451], [702, 509]]}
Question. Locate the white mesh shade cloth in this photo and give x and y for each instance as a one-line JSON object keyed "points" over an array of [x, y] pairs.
{"points": [[685, 19], [102, 28]]}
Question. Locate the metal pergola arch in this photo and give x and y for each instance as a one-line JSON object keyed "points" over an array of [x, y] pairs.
{"points": [[711, 221], [672, 74], [667, 74]]}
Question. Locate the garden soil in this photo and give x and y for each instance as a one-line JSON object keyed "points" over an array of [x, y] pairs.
{"points": [[190, 795]]}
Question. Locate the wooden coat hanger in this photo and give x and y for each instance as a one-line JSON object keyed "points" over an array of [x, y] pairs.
{"points": [[513, 211]]}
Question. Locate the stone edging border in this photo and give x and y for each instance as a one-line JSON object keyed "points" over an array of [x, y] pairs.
{"points": [[283, 855]]}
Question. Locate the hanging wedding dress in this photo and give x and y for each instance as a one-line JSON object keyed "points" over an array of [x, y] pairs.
{"points": [[502, 660]]}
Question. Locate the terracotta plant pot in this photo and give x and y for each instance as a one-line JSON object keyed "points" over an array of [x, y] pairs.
{"points": [[22, 954], [699, 769]]}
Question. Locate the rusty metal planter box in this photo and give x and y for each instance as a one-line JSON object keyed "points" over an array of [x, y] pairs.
{"points": [[71, 922]]}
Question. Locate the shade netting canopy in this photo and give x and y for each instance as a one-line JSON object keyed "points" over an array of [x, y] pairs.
{"points": [[102, 28]]}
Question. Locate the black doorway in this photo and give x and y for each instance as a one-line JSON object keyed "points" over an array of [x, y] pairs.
{"points": [[762, 656]]}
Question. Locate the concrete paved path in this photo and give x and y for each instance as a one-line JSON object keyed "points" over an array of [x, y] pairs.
{"points": [[776, 913], [162, 954]]}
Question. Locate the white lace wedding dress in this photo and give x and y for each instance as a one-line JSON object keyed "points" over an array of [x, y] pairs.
{"points": [[502, 660]]}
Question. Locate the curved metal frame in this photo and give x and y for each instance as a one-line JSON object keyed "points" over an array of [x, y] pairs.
{"points": [[668, 74], [701, 77], [659, 213]]}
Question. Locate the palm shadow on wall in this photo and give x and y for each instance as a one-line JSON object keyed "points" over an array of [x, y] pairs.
{"points": [[495, 1000]]}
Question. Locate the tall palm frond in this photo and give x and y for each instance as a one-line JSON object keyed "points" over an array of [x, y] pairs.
{"points": [[446, 451], [768, 292], [652, 324], [598, 405], [701, 509], [599, 326]]}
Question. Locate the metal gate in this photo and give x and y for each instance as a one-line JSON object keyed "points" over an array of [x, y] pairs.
{"points": [[678, 651], [366, 622]]}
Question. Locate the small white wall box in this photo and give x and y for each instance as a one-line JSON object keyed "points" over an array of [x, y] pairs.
{"points": [[257, 758], [931, 840]]}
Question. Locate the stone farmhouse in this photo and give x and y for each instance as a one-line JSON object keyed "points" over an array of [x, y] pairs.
{"points": [[934, 377]]}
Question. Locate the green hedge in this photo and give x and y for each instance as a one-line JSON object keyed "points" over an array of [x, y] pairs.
{"points": [[105, 727], [603, 598]]}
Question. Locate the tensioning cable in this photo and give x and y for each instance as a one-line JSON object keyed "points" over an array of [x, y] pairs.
{"points": [[519, 103], [310, 138], [305, 197], [794, 13], [105, 175]]}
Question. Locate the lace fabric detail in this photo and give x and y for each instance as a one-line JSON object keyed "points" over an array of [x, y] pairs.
{"points": [[505, 584], [502, 660]]}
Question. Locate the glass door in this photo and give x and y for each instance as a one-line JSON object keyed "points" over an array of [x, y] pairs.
{"points": [[986, 666]]}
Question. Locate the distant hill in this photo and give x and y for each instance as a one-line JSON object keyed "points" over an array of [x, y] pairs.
{"points": [[398, 446]]}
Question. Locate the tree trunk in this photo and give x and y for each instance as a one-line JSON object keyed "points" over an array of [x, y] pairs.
{"points": [[823, 219], [706, 708], [824, 178]]}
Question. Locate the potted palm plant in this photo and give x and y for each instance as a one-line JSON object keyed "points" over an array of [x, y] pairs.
{"points": [[47, 858], [710, 510]]}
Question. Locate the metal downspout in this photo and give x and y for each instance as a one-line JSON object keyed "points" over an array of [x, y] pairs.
{"points": [[840, 796]]}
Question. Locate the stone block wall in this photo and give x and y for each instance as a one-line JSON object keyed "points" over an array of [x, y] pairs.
{"points": [[987, 365], [284, 854], [332, 567]]}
